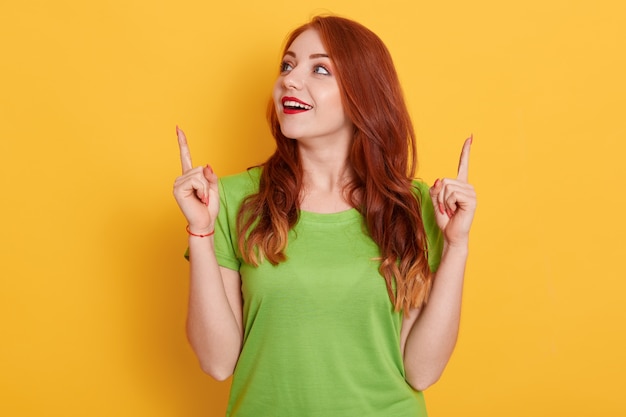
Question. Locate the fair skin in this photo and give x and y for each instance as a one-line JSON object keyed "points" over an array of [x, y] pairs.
{"points": [[307, 99], [318, 123]]}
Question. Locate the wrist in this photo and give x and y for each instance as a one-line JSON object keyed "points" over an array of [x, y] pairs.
{"points": [[200, 232], [456, 247]]}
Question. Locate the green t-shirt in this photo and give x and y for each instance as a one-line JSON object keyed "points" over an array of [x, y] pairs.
{"points": [[321, 338]]}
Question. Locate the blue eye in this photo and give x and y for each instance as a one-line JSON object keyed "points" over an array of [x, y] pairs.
{"points": [[285, 66], [320, 69]]}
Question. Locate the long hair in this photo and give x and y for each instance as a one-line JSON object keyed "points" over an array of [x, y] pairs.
{"points": [[382, 156]]}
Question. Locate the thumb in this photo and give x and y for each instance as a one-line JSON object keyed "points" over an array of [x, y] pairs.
{"points": [[434, 192], [208, 173]]}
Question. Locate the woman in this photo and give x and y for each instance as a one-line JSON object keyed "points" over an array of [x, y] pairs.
{"points": [[310, 274]]}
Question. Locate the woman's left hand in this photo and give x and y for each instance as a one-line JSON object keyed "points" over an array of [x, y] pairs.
{"points": [[454, 201]]}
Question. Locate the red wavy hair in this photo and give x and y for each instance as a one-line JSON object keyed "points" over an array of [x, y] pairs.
{"points": [[383, 159]]}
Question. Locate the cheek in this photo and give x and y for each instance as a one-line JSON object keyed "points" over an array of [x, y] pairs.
{"points": [[277, 92], [334, 102], [332, 97]]}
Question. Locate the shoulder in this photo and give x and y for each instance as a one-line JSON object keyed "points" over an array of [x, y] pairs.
{"points": [[247, 178], [239, 186], [433, 233], [421, 189], [422, 193], [233, 190]]}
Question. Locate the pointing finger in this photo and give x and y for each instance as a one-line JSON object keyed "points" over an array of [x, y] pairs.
{"points": [[463, 172], [185, 154]]}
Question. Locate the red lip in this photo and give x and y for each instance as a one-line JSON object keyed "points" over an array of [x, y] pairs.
{"points": [[293, 110], [297, 100]]}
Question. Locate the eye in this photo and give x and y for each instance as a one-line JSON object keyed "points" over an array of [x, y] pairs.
{"points": [[320, 69], [285, 66]]}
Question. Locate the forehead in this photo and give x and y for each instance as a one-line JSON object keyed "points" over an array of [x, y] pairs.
{"points": [[307, 43]]}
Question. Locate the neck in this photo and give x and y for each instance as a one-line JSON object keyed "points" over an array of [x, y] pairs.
{"points": [[325, 168], [325, 173]]}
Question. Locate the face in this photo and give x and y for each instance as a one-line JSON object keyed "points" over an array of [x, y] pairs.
{"points": [[306, 94]]}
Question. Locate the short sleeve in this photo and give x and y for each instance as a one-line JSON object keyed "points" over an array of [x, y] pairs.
{"points": [[226, 232], [433, 233]]}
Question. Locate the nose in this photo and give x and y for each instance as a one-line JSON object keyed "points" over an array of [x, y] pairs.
{"points": [[292, 80]]}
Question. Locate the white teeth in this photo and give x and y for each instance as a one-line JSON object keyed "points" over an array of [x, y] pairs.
{"points": [[291, 103]]}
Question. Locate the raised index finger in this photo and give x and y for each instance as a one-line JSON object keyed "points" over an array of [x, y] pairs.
{"points": [[463, 172], [185, 154]]}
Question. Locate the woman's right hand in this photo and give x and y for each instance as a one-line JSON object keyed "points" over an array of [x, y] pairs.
{"points": [[196, 191]]}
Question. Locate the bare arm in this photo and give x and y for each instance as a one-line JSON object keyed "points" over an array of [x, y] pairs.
{"points": [[429, 336], [214, 321]]}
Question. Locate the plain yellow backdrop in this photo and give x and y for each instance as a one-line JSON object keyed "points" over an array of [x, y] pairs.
{"points": [[93, 282]]}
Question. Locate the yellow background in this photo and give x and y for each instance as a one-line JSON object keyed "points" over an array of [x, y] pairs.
{"points": [[93, 283]]}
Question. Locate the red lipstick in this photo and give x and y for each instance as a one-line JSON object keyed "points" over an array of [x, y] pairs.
{"points": [[293, 105]]}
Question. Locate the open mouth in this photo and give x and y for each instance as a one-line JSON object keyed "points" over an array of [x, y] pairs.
{"points": [[293, 105]]}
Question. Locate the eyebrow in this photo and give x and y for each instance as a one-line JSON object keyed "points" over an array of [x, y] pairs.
{"points": [[312, 56]]}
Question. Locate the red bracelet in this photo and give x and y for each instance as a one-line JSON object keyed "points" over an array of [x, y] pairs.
{"points": [[193, 234]]}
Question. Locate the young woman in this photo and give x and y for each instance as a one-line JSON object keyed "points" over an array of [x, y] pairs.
{"points": [[326, 280]]}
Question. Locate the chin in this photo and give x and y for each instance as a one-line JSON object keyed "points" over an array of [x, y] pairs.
{"points": [[290, 133]]}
